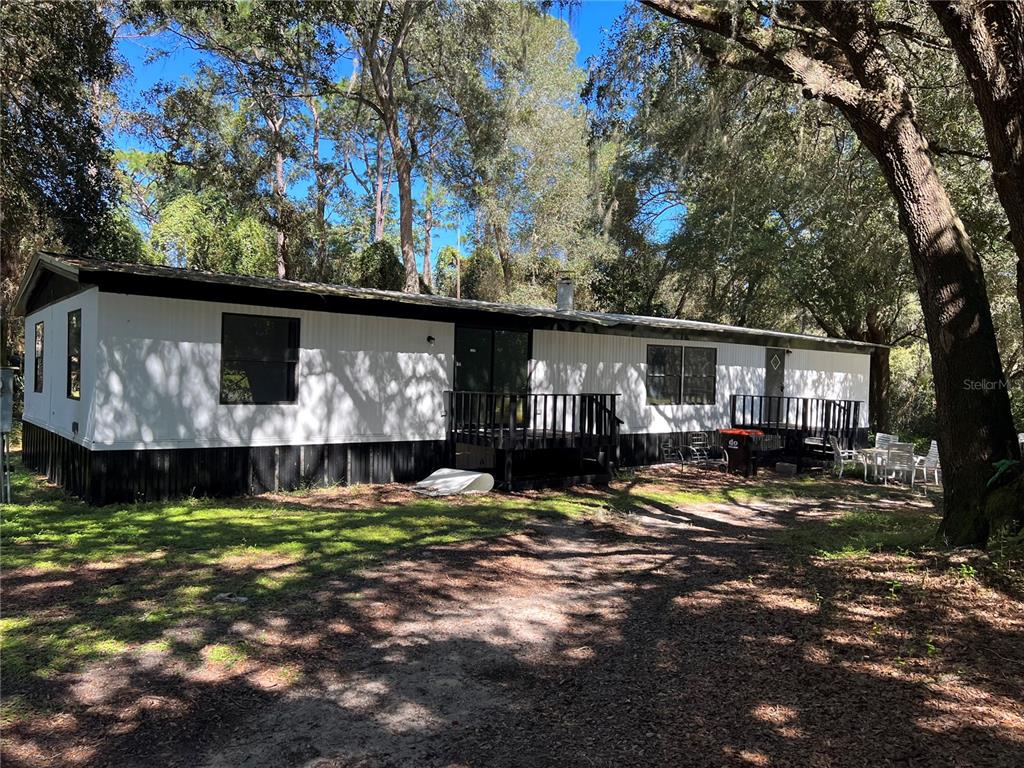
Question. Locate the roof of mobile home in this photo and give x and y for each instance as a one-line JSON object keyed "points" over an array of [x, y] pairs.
{"points": [[52, 276]]}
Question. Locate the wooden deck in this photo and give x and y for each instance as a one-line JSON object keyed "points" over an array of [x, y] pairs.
{"points": [[515, 422], [582, 428], [516, 439], [798, 418]]}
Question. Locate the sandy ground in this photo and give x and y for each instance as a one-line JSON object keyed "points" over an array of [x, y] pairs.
{"points": [[659, 637]]}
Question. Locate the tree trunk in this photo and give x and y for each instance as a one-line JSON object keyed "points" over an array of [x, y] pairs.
{"points": [[403, 168], [379, 194], [428, 226], [274, 116], [878, 404], [988, 38], [458, 274], [381, 56], [282, 242], [504, 256], [319, 194], [975, 426]]}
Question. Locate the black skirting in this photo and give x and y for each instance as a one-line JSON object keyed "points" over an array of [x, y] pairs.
{"points": [[106, 477]]}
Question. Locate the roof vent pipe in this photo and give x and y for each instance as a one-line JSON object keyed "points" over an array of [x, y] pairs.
{"points": [[564, 295]]}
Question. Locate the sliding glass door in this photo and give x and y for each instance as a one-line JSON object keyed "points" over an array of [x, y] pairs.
{"points": [[492, 360]]}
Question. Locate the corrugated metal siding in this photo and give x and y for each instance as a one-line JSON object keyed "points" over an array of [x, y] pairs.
{"points": [[361, 379], [576, 362]]}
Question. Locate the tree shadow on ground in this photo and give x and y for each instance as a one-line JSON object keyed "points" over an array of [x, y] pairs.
{"points": [[647, 634]]}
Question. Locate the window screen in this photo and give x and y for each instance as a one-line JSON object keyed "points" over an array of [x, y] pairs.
{"points": [[74, 383], [699, 365], [259, 355], [38, 371], [664, 374]]}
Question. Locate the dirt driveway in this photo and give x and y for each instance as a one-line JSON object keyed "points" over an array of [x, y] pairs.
{"points": [[665, 636]]}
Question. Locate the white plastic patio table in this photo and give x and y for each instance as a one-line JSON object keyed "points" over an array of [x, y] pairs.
{"points": [[875, 458]]}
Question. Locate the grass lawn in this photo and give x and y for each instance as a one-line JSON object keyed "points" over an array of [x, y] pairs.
{"points": [[178, 557]]}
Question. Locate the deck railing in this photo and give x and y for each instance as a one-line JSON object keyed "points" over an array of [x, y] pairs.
{"points": [[812, 416], [526, 420]]}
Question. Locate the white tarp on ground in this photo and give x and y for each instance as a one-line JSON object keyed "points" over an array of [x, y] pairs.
{"points": [[447, 481]]}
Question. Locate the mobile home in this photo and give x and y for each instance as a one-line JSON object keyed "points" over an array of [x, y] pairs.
{"points": [[146, 382]]}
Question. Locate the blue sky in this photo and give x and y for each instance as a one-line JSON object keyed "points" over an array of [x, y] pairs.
{"points": [[589, 23]]}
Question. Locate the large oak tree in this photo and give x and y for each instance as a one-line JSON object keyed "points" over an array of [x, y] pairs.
{"points": [[837, 52], [988, 37]]}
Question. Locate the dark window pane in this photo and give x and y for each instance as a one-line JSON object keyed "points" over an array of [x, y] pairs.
{"points": [[656, 357], [511, 361], [38, 373], [700, 361], [74, 382], [700, 390], [473, 359], [664, 374], [663, 361], [662, 390], [511, 372], [256, 381], [258, 359], [255, 337], [699, 375]]}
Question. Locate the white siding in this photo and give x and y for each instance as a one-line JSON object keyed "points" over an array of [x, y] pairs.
{"points": [[52, 408], [835, 375], [361, 379], [151, 370], [579, 362]]}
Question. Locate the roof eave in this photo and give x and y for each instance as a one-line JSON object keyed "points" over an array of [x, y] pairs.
{"points": [[41, 260], [92, 271]]}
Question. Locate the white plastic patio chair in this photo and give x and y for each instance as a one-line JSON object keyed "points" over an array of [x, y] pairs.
{"points": [[899, 461], [929, 463], [874, 461], [840, 455], [884, 440]]}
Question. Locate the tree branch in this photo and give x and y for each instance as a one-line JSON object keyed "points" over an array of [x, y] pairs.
{"points": [[767, 55], [916, 35], [941, 149]]}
